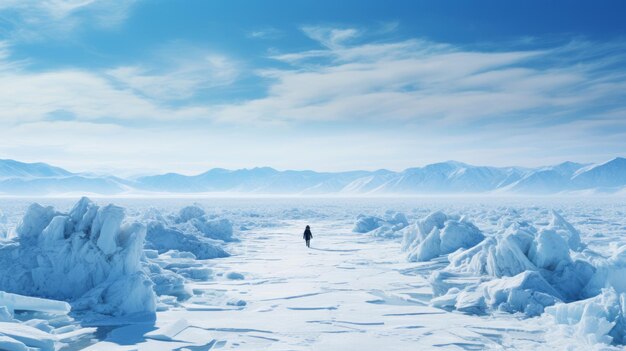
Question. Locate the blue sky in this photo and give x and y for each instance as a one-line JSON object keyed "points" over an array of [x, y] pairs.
{"points": [[150, 86]]}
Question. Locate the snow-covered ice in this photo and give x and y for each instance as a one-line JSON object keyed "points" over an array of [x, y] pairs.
{"points": [[86, 256], [163, 238], [439, 234], [34, 333], [14, 302], [421, 273]]}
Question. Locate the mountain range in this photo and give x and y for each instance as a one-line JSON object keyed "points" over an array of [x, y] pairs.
{"points": [[451, 177]]}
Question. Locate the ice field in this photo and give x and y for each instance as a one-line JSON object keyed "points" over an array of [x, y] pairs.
{"points": [[382, 274]]}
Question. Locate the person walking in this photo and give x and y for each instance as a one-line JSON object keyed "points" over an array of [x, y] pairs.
{"points": [[307, 236]]}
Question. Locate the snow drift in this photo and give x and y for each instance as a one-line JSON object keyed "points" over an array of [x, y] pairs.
{"points": [[524, 269], [89, 257], [600, 319], [389, 226], [194, 219], [163, 238], [191, 230], [439, 234]]}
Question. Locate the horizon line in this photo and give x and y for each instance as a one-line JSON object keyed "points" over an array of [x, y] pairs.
{"points": [[137, 175]]}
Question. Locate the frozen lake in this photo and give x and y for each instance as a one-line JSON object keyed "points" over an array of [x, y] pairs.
{"points": [[348, 291]]}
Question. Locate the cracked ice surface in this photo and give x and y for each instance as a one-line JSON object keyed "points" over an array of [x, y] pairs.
{"points": [[356, 290]]}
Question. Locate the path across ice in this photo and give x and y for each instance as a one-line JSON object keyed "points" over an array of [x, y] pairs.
{"points": [[347, 292]]}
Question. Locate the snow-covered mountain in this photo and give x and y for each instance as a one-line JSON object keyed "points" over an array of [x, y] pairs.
{"points": [[610, 174], [451, 177], [16, 169], [550, 179], [439, 178], [256, 180], [19, 178]]}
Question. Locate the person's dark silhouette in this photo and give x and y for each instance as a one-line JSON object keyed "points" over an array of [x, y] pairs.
{"points": [[307, 236]]}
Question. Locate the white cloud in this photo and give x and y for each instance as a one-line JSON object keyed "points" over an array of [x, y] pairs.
{"points": [[39, 19], [331, 38], [31, 96], [55, 9], [412, 81], [384, 104], [178, 76], [419, 81]]}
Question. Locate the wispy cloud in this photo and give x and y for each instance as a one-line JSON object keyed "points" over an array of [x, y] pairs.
{"points": [[332, 38], [27, 95], [387, 27], [422, 81], [40, 19], [265, 33], [396, 101], [410, 81], [178, 73]]}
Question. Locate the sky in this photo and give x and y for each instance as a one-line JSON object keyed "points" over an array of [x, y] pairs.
{"points": [[149, 86]]}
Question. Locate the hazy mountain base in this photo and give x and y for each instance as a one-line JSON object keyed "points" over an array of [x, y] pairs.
{"points": [[441, 178]]}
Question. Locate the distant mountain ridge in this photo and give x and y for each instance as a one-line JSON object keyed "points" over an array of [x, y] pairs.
{"points": [[450, 177], [14, 169], [20, 178]]}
